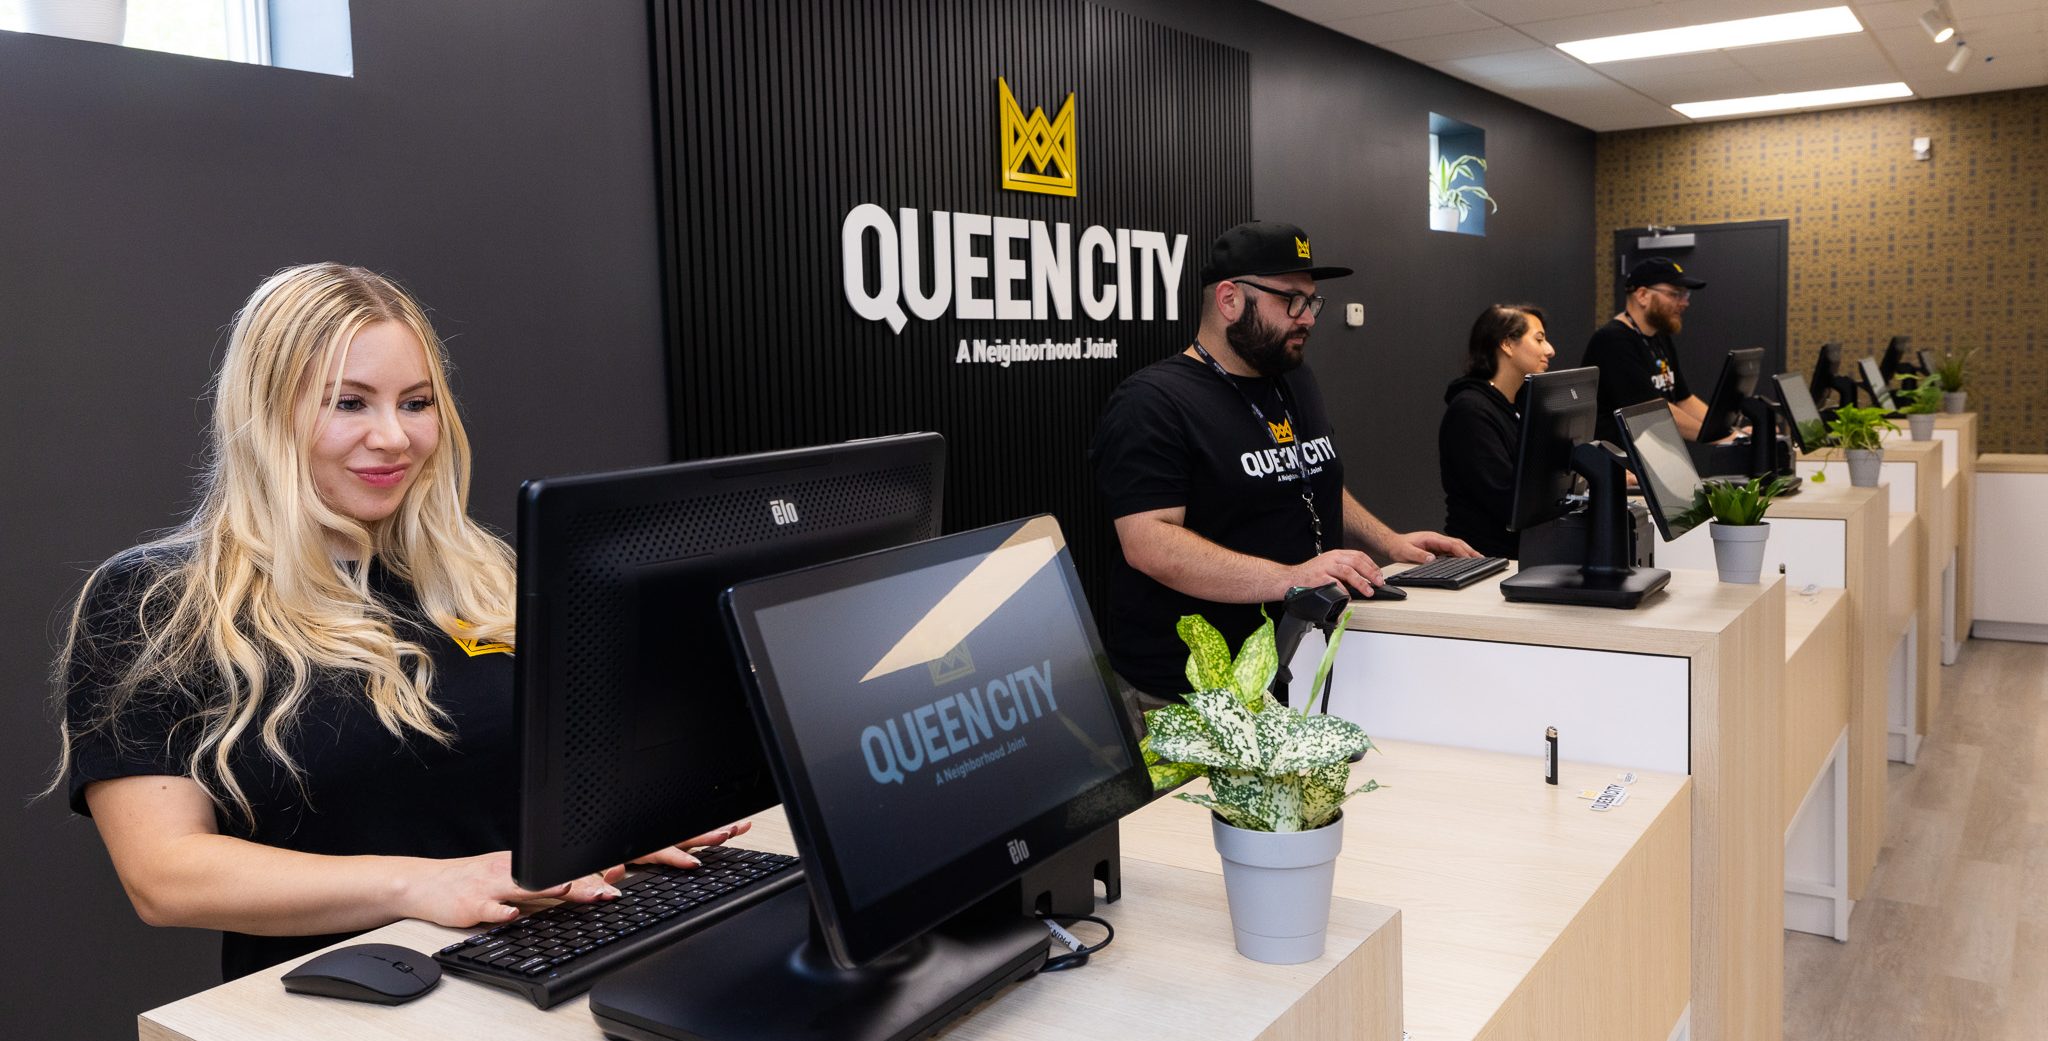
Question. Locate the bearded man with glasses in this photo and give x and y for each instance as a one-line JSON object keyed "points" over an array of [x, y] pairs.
{"points": [[1221, 471], [1634, 353]]}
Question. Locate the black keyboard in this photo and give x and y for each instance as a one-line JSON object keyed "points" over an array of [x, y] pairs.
{"points": [[1449, 572], [555, 954]]}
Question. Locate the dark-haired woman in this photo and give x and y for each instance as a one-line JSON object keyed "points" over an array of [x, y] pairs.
{"points": [[1477, 440]]}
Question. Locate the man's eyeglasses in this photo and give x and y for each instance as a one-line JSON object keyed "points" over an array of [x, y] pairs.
{"points": [[1680, 295], [1298, 302]]}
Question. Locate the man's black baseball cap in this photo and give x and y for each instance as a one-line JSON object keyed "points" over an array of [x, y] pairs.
{"points": [[1661, 271], [1263, 248]]}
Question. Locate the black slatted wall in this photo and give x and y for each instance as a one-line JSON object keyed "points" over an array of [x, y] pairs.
{"points": [[778, 117]]}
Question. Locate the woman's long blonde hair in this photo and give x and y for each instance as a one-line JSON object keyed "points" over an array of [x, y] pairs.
{"points": [[243, 609]]}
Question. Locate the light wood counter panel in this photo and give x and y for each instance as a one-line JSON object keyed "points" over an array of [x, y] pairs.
{"points": [[1524, 915], [1816, 705], [1929, 504], [1172, 974], [1732, 638], [1871, 566], [2007, 463], [1963, 427], [1905, 557]]}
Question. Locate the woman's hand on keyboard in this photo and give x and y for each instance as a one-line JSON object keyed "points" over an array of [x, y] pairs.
{"points": [[678, 855], [468, 891]]}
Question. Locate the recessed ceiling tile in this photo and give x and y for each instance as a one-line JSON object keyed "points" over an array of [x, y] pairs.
{"points": [[1966, 10], [1860, 47], [1786, 79], [1543, 59], [1515, 12], [1702, 61], [1695, 86], [1462, 45], [1437, 20], [1645, 19], [1891, 14]]}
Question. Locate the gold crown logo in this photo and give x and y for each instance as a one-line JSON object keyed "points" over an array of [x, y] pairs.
{"points": [[1301, 248], [1283, 432], [951, 665], [1048, 144]]}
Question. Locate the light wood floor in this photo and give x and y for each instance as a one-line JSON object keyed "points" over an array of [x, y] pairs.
{"points": [[1951, 942]]}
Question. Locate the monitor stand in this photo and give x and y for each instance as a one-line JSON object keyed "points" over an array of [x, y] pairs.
{"points": [[1606, 579], [764, 975]]}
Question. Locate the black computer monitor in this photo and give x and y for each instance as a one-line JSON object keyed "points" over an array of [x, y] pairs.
{"points": [[939, 718], [1827, 375], [1895, 361], [1929, 361], [1809, 429], [1874, 384], [634, 731], [1663, 469], [1559, 410], [1735, 386]]}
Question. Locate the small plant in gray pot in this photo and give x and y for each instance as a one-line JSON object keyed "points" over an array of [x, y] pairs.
{"points": [[1953, 372], [1735, 510], [1920, 404], [1277, 781], [1860, 434]]}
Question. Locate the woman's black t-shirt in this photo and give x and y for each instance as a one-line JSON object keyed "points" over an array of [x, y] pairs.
{"points": [[1475, 447], [365, 791]]}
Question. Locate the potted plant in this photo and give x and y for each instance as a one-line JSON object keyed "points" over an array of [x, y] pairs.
{"points": [[1449, 202], [1860, 433], [1277, 782], [1735, 510], [1920, 404], [1953, 371]]}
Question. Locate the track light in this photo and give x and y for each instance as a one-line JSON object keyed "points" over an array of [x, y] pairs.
{"points": [[1961, 59], [1937, 25]]}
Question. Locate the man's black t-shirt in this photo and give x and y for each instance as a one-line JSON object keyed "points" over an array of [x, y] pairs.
{"points": [[1634, 368], [1176, 434], [366, 791]]}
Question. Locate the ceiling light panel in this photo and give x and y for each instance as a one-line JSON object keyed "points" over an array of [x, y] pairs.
{"points": [[1801, 99], [1714, 36]]}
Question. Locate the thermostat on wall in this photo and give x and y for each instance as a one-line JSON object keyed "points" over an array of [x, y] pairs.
{"points": [[1354, 315]]}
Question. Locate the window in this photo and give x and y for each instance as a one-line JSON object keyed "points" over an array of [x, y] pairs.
{"points": [[310, 35], [1458, 201]]}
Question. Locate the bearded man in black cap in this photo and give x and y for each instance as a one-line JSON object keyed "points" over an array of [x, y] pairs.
{"points": [[1219, 467], [1634, 354]]}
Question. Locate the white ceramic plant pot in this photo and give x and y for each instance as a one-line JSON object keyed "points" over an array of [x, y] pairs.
{"points": [[1952, 402], [1922, 425], [1864, 466], [1443, 218], [1739, 550], [101, 21], [1279, 888]]}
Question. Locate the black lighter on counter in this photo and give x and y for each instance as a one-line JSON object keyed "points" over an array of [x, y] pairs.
{"points": [[1550, 755]]}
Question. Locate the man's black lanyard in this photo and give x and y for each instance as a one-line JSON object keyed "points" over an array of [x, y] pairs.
{"points": [[1650, 346], [1308, 499]]}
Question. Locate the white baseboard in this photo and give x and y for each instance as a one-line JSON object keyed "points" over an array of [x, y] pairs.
{"points": [[2024, 632]]}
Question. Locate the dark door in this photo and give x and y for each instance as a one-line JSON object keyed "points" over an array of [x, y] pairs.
{"points": [[1743, 304]]}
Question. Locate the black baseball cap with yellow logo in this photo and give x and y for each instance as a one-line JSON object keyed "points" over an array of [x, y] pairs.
{"points": [[1661, 271], [1264, 248]]}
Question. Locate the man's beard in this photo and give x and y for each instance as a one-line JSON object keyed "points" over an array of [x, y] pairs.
{"points": [[1262, 346], [1664, 318]]}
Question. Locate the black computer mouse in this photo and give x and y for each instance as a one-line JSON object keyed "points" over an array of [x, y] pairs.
{"points": [[1382, 593], [384, 973]]}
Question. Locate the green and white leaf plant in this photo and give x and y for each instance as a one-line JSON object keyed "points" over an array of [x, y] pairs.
{"points": [[1270, 768], [1445, 193], [1859, 432]]}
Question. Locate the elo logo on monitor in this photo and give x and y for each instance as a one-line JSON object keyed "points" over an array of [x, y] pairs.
{"points": [[783, 511], [1018, 851]]}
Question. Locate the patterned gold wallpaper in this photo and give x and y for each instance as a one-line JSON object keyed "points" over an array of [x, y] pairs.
{"points": [[1952, 251]]}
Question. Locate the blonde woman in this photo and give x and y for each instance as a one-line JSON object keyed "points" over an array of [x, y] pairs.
{"points": [[290, 718]]}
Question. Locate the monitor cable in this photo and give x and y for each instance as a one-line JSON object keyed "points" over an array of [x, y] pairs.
{"points": [[1078, 957]]}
